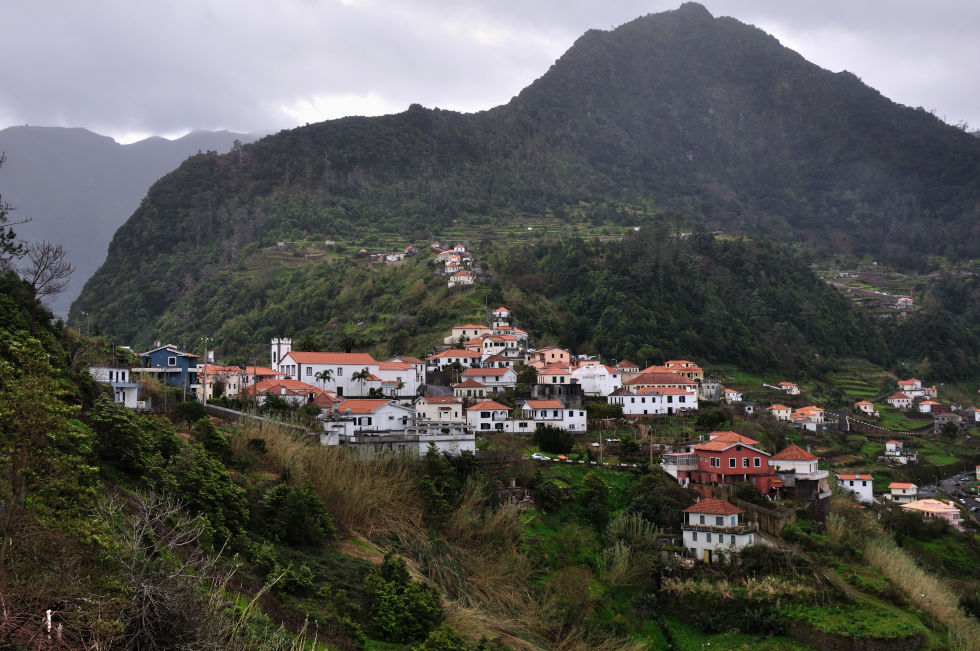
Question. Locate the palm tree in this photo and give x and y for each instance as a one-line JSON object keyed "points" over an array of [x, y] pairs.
{"points": [[360, 376], [324, 376]]}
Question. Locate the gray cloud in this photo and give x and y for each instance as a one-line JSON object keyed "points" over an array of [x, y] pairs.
{"points": [[248, 65]]}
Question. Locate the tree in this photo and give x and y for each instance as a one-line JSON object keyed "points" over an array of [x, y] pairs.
{"points": [[553, 439], [9, 246], [47, 271], [324, 376], [360, 377], [33, 427], [402, 610]]}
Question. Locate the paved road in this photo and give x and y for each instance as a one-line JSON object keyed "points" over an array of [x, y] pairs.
{"points": [[954, 486]]}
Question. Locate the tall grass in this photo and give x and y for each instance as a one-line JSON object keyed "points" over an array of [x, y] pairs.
{"points": [[925, 591], [613, 564], [631, 528]]}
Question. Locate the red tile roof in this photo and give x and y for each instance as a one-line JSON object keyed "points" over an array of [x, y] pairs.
{"points": [[625, 363], [554, 369], [778, 406], [732, 437], [361, 406], [898, 396], [661, 378], [865, 477], [407, 359], [901, 485], [439, 400], [470, 384], [302, 357], [394, 366], [663, 391], [794, 453], [488, 405], [544, 404], [454, 352], [713, 506], [486, 372]]}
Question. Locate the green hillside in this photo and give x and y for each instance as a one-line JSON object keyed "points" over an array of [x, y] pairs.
{"points": [[676, 118]]}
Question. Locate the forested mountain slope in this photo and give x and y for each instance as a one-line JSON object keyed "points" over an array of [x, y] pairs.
{"points": [[677, 117], [77, 187]]}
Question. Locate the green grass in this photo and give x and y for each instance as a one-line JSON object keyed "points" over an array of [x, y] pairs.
{"points": [[871, 449], [895, 420], [687, 638], [856, 620]]}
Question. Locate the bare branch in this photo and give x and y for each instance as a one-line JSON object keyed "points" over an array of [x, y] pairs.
{"points": [[46, 268]]}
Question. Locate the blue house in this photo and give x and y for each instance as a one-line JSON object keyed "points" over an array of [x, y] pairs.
{"points": [[169, 365]]}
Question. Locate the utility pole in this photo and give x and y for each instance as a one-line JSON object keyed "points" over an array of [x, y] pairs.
{"points": [[204, 389]]}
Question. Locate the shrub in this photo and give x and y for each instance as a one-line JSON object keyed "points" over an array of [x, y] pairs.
{"points": [[190, 411], [402, 610], [294, 515], [444, 638], [553, 439]]}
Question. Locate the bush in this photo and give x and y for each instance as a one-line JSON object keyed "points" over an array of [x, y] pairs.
{"points": [[444, 638], [402, 610], [553, 439], [294, 515], [190, 411]]}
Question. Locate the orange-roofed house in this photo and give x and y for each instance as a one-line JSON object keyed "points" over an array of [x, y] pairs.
{"points": [[292, 391], [899, 400], [469, 389], [860, 486], [553, 412], [461, 278], [926, 406], [780, 412], [461, 333], [808, 417], [866, 407], [653, 401], [789, 388], [896, 452], [466, 358], [501, 317], [439, 409], [494, 379], [554, 374], [931, 509], [726, 458], [731, 395], [545, 357], [712, 531], [337, 372], [799, 472], [488, 415], [902, 493], [690, 370]]}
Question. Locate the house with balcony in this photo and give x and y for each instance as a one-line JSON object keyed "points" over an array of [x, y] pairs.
{"points": [[896, 452], [866, 408], [729, 458], [465, 358], [780, 412], [494, 379], [488, 415], [169, 365], [789, 388], [553, 412], [798, 471], [125, 390], [713, 533], [902, 493], [687, 369]]}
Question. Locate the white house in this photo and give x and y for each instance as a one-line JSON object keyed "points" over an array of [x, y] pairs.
{"points": [[440, 361], [899, 400], [462, 332], [123, 389], [501, 317], [495, 379], [598, 379], [926, 406], [462, 278], [369, 415], [860, 486], [553, 412], [439, 409], [902, 493], [487, 416], [652, 401], [789, 388], [731, 395], [895, 451], [780, 412], [348, 372], [712, 533], [469, 389], [866, 407], [401, 376]]}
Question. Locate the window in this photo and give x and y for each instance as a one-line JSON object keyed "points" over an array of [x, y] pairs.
{"points": [[484, 414], [863, 483], [694, 535], [757, 462], [171, 361], [340, 371], [702, 519], [309, 370], [751, 538], [670, 398], [731, 462], [632, 400], [708, 537], [719, 521], [745, 462], [484, 425]]}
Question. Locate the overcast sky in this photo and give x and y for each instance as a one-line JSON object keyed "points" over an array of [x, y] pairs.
{"points": [[134, 68]]}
